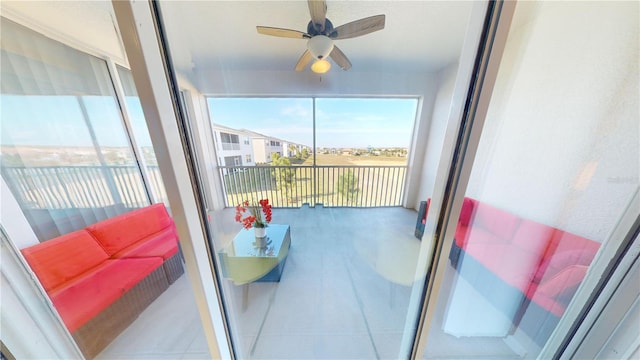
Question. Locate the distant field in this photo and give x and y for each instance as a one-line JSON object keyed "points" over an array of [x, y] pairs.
{"points": [[377, 181], [325, 159]]}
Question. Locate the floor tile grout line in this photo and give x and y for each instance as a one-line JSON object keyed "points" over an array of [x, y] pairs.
{"points": [[264, 320], [364, 317]]}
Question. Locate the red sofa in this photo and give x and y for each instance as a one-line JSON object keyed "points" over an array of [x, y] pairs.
{"points": [[101, 277], [499, 253]]}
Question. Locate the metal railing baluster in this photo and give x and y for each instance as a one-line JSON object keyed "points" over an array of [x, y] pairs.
{"points": [[86, 186]]}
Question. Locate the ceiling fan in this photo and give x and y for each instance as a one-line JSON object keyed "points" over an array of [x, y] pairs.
{"points": [[321, 35]]}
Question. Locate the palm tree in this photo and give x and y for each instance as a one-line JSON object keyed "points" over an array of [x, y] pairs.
{"points": [[292, 150]]}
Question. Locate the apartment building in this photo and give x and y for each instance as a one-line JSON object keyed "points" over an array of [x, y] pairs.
{"points": [[234, 147]]}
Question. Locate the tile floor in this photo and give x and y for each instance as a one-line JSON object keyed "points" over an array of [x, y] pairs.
{"points": [[344, 294]]}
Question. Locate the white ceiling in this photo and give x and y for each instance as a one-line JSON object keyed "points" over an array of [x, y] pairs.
{"points": [[220, 38], [419, 36], [87, 25]]}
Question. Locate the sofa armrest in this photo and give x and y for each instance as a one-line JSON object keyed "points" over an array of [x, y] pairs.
{"points": [[421, 220]]}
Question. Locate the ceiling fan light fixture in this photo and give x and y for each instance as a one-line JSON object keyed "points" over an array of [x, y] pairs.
{"points": [[321, 35], [320, 46], [321, 66]]}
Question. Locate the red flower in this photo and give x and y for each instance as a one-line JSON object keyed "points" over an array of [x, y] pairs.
{"points": [[255, 217]]}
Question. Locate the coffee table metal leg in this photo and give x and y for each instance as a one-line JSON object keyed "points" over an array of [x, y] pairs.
{"points": [[245, 296]]}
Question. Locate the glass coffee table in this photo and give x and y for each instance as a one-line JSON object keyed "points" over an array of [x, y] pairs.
{"points": [[245, 260]]}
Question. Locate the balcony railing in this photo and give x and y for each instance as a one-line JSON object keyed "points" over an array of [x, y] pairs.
{"points": [[334, 186], [72, 187], [76, 187], [230, 146]]}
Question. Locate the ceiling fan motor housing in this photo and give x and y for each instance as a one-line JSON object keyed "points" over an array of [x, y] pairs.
{"points": [[320, 46], [314, 30]]}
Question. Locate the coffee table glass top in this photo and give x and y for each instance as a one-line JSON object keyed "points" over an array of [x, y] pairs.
{"points": [[245, 244]]}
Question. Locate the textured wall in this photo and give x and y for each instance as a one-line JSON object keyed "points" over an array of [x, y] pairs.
{"points": [[561, 139], [436, 133]]}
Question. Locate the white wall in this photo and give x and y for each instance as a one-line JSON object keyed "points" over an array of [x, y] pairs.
{"points": [[561, 139], [260, 153], [437, 129], [199, 114]]}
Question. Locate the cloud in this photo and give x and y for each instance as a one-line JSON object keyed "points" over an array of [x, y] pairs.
{"points": [[357, 131], [296, 110], [286, 130]]}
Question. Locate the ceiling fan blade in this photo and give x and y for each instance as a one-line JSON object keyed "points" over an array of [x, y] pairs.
{"points": [[286, 33], [304, 60], [318, 11], [358, 27], [340, 58]]}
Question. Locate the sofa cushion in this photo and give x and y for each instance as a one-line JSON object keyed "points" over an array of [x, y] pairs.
{"points": [[565, 249], [124, 230], [61, 259], [545, 302], [495, 220], [513, 265], [532, 236], [467, 211], [564, 241], [565, 280], [87, 295], [163, 244], [426, 211], [462, 235]]}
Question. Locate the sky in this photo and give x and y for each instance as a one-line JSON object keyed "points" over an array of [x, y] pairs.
{"points": [[59, 121], [340, 122]]}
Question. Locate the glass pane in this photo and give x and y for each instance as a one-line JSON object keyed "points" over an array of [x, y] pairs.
{"points": [[265, 146], [141, 134], [337, 275], [362, 149], [556, 167], [109, 261], [65, 154]]}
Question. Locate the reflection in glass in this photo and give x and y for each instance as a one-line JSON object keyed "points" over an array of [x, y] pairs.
{"points": [[65, 154], [541, 202], [109, 261], [141, 134]]}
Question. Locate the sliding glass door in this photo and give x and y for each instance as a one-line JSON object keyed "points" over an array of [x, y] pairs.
{"points": [[65, 153], [338, 155], [554, 172], [510, 194], [73, 158]]}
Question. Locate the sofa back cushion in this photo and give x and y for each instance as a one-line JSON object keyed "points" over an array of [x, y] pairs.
{"points": [[499, 222], [533, 236], [119, 232], [564, 283], [467, 211], [565, 249], [61, 259]]}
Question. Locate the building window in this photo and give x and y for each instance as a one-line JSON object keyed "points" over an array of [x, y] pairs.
{"points": [[248, 158], [230, 141], [247, 141], [232, 161]]}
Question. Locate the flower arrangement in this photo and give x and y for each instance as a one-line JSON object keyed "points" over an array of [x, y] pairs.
{"points": [[258, 215]]}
